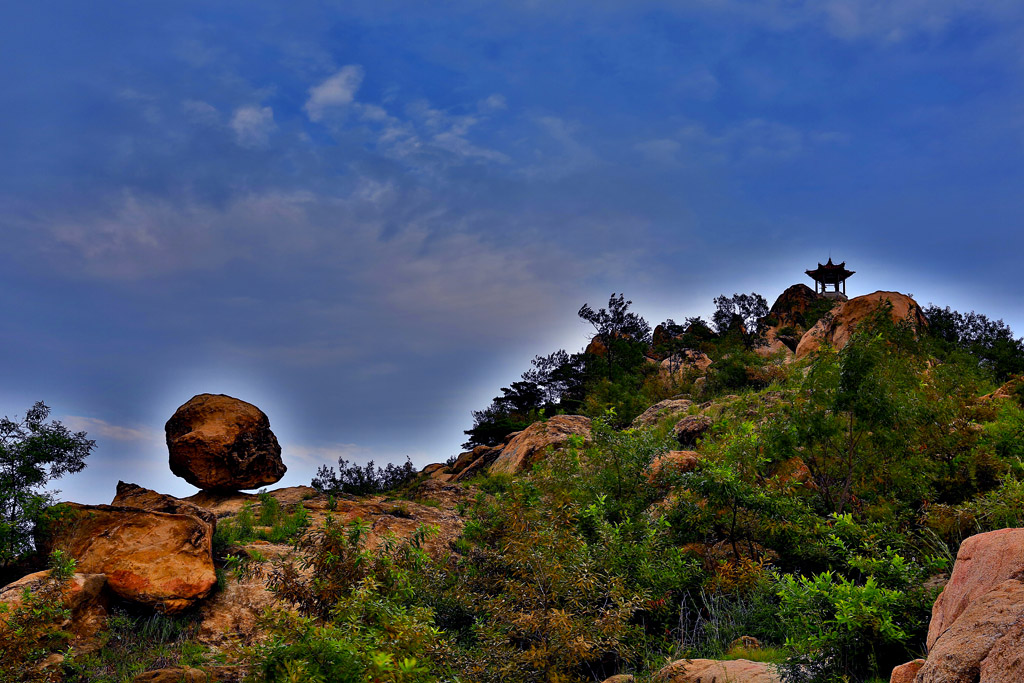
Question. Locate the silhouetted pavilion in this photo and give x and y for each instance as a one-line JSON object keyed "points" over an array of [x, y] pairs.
{"points": [[831, 275]]}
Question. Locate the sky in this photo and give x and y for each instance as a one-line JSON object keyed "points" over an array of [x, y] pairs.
{"points": [[366, 217]]}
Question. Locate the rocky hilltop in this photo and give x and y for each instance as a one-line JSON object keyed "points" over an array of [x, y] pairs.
{"points": [[720, 526]]}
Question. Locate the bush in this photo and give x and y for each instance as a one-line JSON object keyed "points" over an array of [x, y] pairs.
{"points": [[32, 628], [360, 481]]}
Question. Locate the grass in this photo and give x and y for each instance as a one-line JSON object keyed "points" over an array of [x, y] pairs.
{"points": [[268, 522], [135, 643], [773, 655]]}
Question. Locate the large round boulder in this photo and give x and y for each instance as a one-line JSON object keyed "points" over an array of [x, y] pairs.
{"points": [[530, 445], [220, 442]]}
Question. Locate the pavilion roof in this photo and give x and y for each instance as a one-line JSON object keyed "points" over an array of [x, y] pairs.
{"points": [[830, 272]]}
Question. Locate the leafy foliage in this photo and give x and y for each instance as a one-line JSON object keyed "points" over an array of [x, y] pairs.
{"points": [[32, 628], [33, 452], [352, 479]]}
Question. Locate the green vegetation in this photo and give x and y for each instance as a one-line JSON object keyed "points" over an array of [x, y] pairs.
{"points": [[33, 452], [360, 481], [826, 494], [269, 522], [31, 628], [138, 642]]}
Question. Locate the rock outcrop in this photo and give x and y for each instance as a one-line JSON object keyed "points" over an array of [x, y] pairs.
{"points": [[790, 309], [983, 562], [220, 442], [661, 410], [135, 496], [977, 628], [82, 595], [713, 671], [906, 673], [837, 328], [153, 558], [530, 445], [673, 462], [691, 428]]}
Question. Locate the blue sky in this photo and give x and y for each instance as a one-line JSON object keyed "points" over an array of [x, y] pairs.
{"points": [[365, 217]]}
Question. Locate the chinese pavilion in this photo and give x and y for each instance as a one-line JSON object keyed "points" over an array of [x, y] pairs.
{"points": [[830, 279]]}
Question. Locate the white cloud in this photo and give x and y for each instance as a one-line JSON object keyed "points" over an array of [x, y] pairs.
{"points": [[200, 112], [662, 150], [335, 91], [97, 427], [492, 103], [253, 125]]}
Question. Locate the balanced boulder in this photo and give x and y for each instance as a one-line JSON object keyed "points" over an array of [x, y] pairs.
{"points": [[153, 558], [220, 442]]}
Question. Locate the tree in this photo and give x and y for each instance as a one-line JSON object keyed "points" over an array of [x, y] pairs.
{"points": [[991, 342], [32, 453], [617, 322], [740, 312]]}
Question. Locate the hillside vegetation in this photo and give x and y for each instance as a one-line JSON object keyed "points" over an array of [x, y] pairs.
{"points": [[726, 500]]}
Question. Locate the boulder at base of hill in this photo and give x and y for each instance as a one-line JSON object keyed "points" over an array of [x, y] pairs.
{"points": [[905, 673], [670, 407], [983, 562], [82, 594], [152, 558], [691, 428], [219, 442], [134, 496], [837, 328], [962, 650], [713, 671], [530, 445]]}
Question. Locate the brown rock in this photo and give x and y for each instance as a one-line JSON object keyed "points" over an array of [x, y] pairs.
{"points": [[187, 674], [691, 428], [232, 614], [433, 467], [1005, 661], [983, 561], [673, 462], [134, 496], [712, 671], [219, 442], [670, 407], [82, 594], [481, 458], [619, 678], [958, 654], [837, 328], [530, 445], [905, 673], [792, 471], [789, 309], [153, 558]]}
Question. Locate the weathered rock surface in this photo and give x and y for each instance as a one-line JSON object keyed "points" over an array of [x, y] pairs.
{"points": [[673, 462], [983, 562], [619, 678], [187, 674], [220, 442], [223, 503], [791, 306], [691, 428], [713, 671], [82, 594], [837, 328], [670, 407], [960, 653], [153, 558], [135, 496], [530, 445], [905, 673]]}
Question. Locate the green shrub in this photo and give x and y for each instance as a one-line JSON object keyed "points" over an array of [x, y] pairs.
{"points": [[31, 629]]}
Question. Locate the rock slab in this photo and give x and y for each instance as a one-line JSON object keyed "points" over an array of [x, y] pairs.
{"points": [[714, 671], [530, 445], [153, 558], [223, 443]]}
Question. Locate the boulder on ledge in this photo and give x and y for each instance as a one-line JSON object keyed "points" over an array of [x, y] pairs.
{"points": [[222, 443]]}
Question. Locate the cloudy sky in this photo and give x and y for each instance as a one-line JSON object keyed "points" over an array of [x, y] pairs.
{"points": [[365, 217]]}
